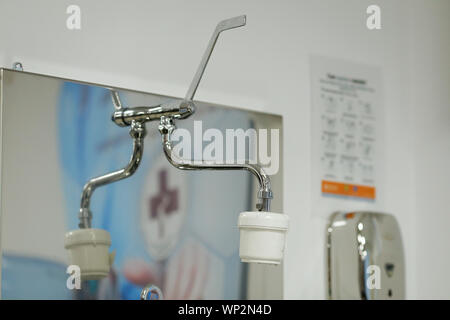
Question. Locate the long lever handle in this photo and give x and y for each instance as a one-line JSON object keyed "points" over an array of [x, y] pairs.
{"points": [[125, 116], [228, 24]]}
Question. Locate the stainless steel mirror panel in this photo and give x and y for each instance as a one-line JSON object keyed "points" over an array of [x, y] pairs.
{"points": [[39, 187]]}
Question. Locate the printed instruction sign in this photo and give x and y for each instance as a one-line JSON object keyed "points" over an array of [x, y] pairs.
{"points": [[346, 134]]}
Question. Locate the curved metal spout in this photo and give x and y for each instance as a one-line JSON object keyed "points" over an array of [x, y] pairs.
{"points": [[137, 132], [265, 194]]}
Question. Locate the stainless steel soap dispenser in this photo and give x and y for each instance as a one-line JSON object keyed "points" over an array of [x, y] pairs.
{"points": [[365, 258]]}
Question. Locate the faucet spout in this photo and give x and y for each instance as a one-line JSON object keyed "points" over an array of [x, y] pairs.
{"points": [[167, 126], [138, 133]]}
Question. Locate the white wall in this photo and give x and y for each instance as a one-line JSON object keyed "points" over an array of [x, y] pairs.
{"points": [[430, 96], [155, 46]]}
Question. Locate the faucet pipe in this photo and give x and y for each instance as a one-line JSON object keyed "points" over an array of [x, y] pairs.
{"points": [[167, 126], [138, 133]]}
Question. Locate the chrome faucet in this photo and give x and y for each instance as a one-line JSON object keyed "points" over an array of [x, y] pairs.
{"points": [[166, 114]]}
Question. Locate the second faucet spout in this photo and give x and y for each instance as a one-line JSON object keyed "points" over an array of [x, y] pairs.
{"points": [[167, 126]]}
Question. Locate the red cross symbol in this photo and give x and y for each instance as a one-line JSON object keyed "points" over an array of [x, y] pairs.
{"points": [[165, 202]]}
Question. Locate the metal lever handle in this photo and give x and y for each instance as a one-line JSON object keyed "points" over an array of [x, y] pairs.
{"points": [[181, 109], [228, 24]]}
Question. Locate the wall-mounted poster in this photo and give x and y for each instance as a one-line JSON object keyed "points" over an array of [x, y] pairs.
{"points": [[347, 133]]}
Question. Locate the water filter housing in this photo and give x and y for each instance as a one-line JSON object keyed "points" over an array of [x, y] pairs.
{"points": [[262, 236], [89, 250]]}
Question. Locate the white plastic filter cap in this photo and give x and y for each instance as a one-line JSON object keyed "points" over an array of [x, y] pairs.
{"points": [[263, 219], [89, 250], [262, 236], [87, 236]]}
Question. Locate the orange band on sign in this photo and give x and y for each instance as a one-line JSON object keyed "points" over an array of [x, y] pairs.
{"points": [[346, 189]]}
